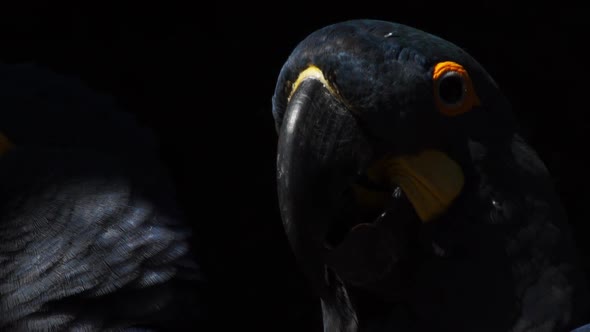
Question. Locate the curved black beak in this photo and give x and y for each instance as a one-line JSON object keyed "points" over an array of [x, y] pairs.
{"points": [[321, 150], [323, 156]]}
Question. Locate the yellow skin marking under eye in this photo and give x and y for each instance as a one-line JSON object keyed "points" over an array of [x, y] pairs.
{"points": [[431, 180]]}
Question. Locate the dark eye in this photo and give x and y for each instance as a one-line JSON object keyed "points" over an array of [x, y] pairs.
{"points": [[451, 88]]}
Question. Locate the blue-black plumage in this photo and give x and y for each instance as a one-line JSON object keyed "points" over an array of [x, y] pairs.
{"points": [[91, 236], [467, 232]]}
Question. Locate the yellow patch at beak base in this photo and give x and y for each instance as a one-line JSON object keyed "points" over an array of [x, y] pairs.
{"points": [[5, 144], [430, 180]]}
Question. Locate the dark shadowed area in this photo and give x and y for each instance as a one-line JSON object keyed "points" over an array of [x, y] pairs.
{"points": [[203, 81]]}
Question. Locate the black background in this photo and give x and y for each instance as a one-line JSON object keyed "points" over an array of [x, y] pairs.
{"points": [[203, 78]]}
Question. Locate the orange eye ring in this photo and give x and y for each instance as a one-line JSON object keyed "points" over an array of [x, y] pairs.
{"points": [[453, 90]]}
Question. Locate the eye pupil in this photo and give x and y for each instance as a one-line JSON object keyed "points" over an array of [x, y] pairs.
{"points": [[450, 88]]}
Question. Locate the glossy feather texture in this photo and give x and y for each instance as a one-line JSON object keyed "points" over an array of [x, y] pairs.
{"points": [[90, 235]]}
